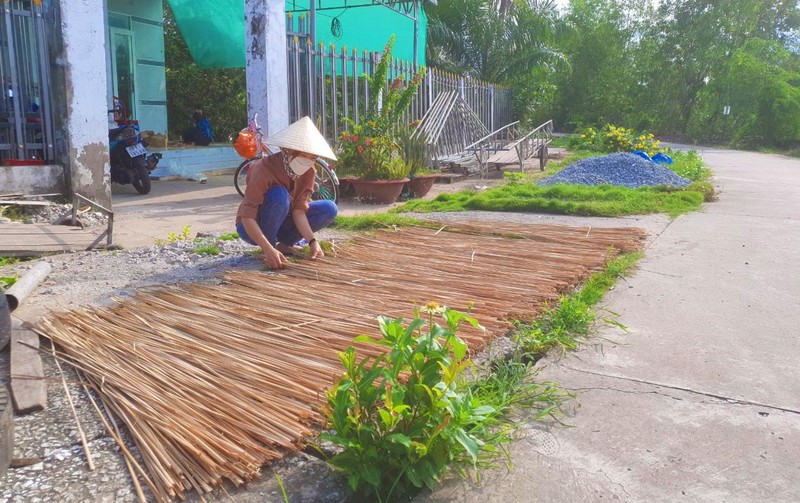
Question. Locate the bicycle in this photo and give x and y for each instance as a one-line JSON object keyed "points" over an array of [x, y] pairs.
{"points": [[326, 183]]}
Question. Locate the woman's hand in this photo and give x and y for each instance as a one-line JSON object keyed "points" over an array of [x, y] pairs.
{"points": [[274, 259], [316, 250]]}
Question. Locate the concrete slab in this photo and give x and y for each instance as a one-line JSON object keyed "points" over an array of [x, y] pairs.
{"points": [[699, 401], [28, 387]]}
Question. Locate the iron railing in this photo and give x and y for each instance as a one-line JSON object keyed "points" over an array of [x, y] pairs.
{"points": [[508, 145], [329, 83], [26, 125]]}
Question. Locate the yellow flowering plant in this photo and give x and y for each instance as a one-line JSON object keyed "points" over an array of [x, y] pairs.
{"points": [[613, 138]]}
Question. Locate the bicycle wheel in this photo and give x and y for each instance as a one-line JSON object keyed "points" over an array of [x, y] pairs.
{"points": [[326, 185], [240, 177]]}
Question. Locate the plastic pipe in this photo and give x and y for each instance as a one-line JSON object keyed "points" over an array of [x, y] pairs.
{"points": [[20, 290]]}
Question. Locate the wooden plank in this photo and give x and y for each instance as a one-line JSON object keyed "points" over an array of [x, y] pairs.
{"points": [[23, 240], [20, 202], [28, 387]]}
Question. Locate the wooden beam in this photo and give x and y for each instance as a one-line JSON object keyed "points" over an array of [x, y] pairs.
{"points": [[28, 387]]}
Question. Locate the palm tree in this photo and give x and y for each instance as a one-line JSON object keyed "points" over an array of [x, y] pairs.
{"points": [[493, 40]]}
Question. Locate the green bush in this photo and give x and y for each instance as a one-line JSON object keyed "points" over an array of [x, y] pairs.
{"points": [[403, 417], [371, 148], [689, 165], [614, 139]]}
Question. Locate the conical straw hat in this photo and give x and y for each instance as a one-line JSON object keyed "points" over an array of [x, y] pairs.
{"points": [[303, 136]]}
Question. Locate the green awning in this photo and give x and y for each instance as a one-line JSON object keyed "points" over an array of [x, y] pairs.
{"points": [[214, 29]]}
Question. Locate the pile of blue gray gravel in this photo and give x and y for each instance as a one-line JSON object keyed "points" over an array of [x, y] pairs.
{"points": [[624, 169]]}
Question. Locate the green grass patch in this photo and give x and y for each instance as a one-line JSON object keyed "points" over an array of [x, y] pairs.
{"points": [[207, 250], [7, 281], [376, 221], [564, 324], [4, 261], [600, 200], [583, 200], [230, 236], [15, 213]]}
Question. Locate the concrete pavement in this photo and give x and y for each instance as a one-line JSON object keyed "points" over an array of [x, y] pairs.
{"points": [[700, 400], [209, 207]]}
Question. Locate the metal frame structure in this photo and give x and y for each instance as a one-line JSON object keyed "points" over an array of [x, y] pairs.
{"points": [[505, 146], [26, 118]]}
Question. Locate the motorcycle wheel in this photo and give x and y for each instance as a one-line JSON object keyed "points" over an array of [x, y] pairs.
{"points": [[141, 180]]}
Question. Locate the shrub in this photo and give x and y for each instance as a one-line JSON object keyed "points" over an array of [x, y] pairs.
{"points": [[403, 417], [614, 139], [370, 149]]}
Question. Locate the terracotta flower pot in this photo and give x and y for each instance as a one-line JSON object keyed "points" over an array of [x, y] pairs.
{"points": [[346, 186], [420, 185], [379, 191]]}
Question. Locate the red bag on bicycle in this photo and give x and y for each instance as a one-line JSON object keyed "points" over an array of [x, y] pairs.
{"points": [[245, 144]]}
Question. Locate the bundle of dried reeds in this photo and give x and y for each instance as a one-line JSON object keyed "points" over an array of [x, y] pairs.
{"points": [[215, 381]]}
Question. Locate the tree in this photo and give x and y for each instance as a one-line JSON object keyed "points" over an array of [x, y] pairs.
{"points": [[761, 85], [221, 93], [499, 41]]}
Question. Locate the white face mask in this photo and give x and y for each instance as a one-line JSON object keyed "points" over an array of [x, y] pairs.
{"points": [[300, 165]]}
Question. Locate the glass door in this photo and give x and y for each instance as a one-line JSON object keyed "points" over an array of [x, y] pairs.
{"points": [[123, 69]]}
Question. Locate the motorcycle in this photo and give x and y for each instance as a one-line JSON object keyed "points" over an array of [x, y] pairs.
{"points": [[130, 162]]}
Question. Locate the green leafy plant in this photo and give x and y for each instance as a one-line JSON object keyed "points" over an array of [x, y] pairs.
{"points": [[415, 151], [513, 177], [689, 165], [208, 249], [230, 236], [370, 149], [7, 281], [173, 237], [402, 418]]}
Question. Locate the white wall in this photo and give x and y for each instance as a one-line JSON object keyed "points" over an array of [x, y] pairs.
{"points": [[265, 49], [85, 124]]}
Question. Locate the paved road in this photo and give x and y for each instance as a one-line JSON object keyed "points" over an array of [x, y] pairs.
{"points": [[700, 400]]}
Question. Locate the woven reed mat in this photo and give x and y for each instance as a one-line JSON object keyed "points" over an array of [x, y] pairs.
{"points": [[213, 382]]}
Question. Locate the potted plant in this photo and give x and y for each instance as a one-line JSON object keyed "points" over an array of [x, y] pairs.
{"points": [[370, 150], [414, 148]]}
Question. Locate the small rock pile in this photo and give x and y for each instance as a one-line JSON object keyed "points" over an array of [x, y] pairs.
{"points": [[55, 213], [623, 169]]}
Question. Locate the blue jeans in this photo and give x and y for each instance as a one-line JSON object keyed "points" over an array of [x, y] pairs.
{"points": [[276, 223]]}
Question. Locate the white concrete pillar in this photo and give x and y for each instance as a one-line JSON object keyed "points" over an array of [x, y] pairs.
{"points": [[85, 125], [265, 48]]}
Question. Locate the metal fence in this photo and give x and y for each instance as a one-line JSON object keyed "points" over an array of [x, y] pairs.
{"points": [[329, 84], [26, 126]]}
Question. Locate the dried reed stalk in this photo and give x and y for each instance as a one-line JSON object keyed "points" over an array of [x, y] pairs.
{"points": [[213, 382]]}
